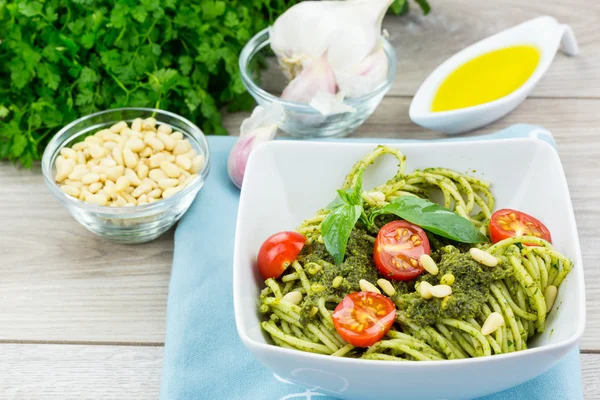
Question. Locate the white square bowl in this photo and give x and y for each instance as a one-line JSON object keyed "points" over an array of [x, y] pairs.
{"points": [[287, 182]]}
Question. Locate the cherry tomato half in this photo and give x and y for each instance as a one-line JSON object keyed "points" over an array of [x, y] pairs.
{"points": [[507, 223], [397, 250], [277, 252], [363, 318]]}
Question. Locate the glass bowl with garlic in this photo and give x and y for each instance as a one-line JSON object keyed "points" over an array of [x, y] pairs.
{"points": [[335, 66], [127, 174]]}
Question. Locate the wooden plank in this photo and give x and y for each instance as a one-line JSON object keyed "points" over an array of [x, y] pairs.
{"points": [[61, 283], [424, 42], [66, 372]]}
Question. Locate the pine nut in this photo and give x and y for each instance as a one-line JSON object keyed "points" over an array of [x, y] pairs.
{"points": [[149, 135], [376, 196], [367, 286], [149, 123], [96, 151], [118, 127], [440, 291], [95, 187], [165, 129], [171, 192], [118, 156], [550, 297], [137, 125], [156, 144], [184, 162], [122, 183], [157, 174], [135, 181], [197, 164], [113, 173], [76, 184], [83, 195], [337, 281], [121, 201], [483, 257], [142, 171], [149, 182], [492, 323], [292, 298], [170, 169], [142, 200], [79, 146], [181, 147], [447, 279], [425, 289], [90, 178], [98, 199], [68, 153], [135, 144], [427, 262], [110, 145], [93, 140], [99, 169], [130, 199], [168, 141], [140, 190], [191, 154], [130, 158], [108, 162], [167, 183], [386, 286], [65, 169], [155, 193], [70, 190], [177, 135], [156, 160], [80, 157], [147, 152]]}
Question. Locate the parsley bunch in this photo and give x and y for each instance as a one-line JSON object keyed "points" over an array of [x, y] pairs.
{"points": [[60, 60], [63, 59]]}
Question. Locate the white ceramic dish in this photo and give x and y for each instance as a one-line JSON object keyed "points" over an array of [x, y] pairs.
{"points": [[287, 182], [545, 33]]}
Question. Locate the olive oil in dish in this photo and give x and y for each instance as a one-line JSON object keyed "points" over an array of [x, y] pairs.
{"points": [[486, 78]]}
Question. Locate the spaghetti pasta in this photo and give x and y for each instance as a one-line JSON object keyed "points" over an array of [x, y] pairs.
{"points": [[514, 289]]}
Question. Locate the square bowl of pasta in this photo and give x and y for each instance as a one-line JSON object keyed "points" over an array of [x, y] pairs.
{"points": [[443, 270]]}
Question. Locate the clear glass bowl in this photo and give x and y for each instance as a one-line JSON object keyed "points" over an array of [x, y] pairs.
{"points": [[302, 120], [137, 224]]}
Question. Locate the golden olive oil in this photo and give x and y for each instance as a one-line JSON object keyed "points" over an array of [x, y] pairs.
{"points": [[486, 78]]}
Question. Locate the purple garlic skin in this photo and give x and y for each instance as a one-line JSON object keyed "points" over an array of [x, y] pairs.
{"points": [[259, 128]]}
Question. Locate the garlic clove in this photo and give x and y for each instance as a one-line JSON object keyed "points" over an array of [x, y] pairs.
{"points": [[317, 76], [365, 77], [259, 128]]}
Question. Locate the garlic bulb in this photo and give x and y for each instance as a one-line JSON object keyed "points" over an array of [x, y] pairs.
{"points": [[332, 47], [259, 128]]}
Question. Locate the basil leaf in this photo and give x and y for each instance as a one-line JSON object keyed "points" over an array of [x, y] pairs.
{"points": [[336, 229], [433, 218]]}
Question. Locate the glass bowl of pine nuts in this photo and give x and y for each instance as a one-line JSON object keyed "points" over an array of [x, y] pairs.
{"points": [[127, 174]]}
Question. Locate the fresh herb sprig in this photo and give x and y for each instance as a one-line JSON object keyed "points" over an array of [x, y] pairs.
{"points": [[347, 209], [63, 59]]}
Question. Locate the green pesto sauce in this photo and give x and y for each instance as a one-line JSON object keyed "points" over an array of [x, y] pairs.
{"points": [[469, 290]]}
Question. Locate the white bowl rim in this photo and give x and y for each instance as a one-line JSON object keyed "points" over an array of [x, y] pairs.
{"points": [[116, 212], [283, 352]]}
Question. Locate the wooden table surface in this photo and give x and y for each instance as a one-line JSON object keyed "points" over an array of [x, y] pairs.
{"points": [[82, 318]]}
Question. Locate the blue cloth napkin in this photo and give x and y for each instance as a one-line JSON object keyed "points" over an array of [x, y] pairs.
{"points": [[203, 356]]}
